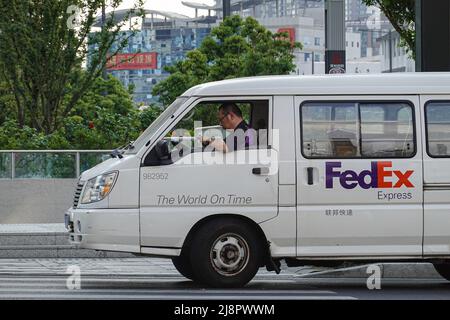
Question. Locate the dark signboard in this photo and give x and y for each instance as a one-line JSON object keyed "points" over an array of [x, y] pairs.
{"points": [[335, 61]]}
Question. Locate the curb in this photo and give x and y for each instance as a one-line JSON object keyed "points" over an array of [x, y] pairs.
{"points": [[45, 241]]}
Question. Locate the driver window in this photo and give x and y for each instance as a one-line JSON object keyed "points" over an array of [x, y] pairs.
{"points": [[214, 126]]}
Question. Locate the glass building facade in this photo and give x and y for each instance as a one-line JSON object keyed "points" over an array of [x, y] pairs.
{"points": [[170, 46], [272, 8], [170, 36], [167, 40]]}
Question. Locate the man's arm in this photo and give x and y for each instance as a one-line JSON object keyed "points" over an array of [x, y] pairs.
{"points": [[217, 144]]}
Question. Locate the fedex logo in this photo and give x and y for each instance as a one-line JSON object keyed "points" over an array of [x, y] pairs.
{"points": [[379, 176]]}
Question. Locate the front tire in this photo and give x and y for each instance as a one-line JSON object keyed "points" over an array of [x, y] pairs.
{"points": [[443, 269], [183, 265], [227, 253]]}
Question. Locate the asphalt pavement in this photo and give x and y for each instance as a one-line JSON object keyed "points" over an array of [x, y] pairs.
{"points": [[157, 279]]}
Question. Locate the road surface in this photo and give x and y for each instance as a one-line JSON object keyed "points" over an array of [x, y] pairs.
{"points": [[145, 278]]}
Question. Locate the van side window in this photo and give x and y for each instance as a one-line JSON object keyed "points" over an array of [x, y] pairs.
{"points": [[357, 130], [387, 130], [438, 128], [204, 124], [330, 130]]}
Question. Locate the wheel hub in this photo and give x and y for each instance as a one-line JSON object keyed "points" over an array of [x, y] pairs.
{"points": [[229, 254]]}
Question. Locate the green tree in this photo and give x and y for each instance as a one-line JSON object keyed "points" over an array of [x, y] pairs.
{"points": [[7, 103], [401, 14], [42, 51], [236, 48], [95, 122], [107, 94], [148, 115], [104, 118]]}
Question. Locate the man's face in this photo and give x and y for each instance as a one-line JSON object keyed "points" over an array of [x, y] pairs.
{"points": [[225, 119]]}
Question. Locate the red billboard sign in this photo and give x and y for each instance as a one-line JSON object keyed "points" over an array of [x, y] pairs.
{"points": [[290, 32], [133, 61]]}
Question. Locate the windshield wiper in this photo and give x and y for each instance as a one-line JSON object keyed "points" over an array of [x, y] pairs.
{"points": [[129, 146], [120, 151], [116, 153]]}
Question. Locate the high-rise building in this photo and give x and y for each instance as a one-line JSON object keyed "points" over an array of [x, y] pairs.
{"points": [[370, 22], [270, 8], [163, 39], [356, 10], [303, 20], [395, 58]]}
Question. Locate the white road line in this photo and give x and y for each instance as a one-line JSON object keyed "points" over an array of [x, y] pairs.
{"points": [[192, 291]]}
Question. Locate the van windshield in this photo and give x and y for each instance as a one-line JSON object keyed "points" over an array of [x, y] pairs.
{"points": [[151, 130]]}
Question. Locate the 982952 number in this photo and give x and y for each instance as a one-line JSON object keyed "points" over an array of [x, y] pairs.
{"points": [[155, 176]]}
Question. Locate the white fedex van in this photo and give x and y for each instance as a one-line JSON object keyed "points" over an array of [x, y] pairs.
{"points": [[341, 168]]}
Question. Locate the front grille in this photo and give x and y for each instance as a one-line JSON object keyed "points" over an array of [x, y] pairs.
{"points": [[77, 195]]}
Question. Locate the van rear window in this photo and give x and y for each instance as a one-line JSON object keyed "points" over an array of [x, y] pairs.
{"points": [[357, 130]]}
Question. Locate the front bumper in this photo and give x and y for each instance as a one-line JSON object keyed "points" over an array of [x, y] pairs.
{"points": [[104, 229], [74, 238]]}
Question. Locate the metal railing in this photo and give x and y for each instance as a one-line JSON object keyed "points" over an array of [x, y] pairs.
{"points": [[48, 164]]}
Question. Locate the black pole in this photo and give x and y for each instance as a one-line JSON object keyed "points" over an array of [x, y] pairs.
{"points": [[390, 50], [433, 35], [226, 8], [418, 24]]}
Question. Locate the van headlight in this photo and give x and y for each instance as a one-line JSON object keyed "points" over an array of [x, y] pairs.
{"points": [[99, 187]]}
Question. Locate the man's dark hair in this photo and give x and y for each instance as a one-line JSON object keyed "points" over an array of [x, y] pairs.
{"points": [[228, 107]]}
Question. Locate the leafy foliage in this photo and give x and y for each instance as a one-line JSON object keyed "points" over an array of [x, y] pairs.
{"points": [[48, 102], [41, 53], [236, 48], [97, 121]]}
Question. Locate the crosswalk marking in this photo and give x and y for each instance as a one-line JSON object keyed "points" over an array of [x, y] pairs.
{"points": [[138, 278], [101, 288]]}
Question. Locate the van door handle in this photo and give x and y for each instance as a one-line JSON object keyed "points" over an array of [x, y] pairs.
{"points": [[310, 176], [260, 171]]}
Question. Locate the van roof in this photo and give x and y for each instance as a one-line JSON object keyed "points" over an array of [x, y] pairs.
{"points": [[355, 84]]}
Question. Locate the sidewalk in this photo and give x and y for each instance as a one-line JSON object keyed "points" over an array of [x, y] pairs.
{"points": [[44, 241]]}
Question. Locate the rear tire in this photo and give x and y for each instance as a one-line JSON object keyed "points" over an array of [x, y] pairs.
{"points": [[228, 253], [443, 269], [183, 265]]}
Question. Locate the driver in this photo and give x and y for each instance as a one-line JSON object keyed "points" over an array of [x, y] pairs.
{"points": [[230, 118]]}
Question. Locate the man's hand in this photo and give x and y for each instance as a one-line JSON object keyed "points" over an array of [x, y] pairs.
{"points": [[205, 140], [215, 143]]}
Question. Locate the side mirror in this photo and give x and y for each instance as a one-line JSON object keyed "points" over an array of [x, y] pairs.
{"points": [[159, 155], [162, 150]]}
